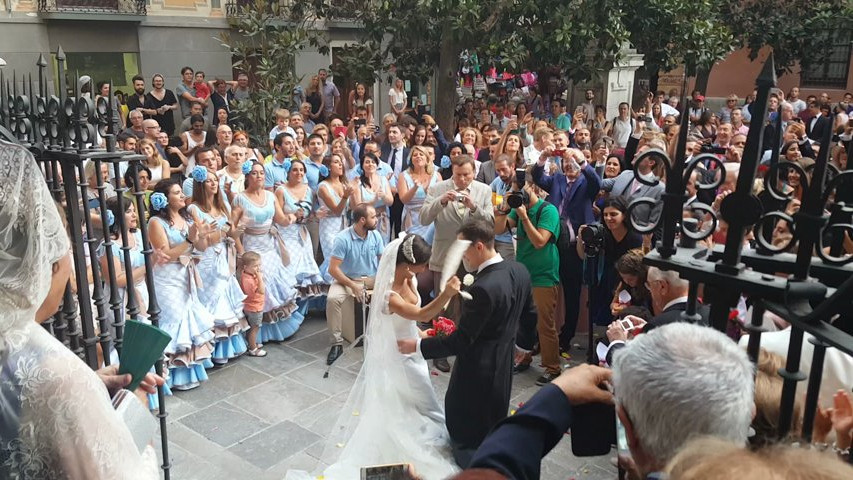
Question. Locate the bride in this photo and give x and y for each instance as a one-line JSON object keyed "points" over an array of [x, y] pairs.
{"points": [[392, 414]]}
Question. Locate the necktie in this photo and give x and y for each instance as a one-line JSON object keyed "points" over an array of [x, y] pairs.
{"points": [[393, 159]]}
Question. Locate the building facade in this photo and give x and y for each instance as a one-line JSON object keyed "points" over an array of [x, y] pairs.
{"points": [[113, 40]]}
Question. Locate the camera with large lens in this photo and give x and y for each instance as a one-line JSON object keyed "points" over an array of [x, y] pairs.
{"points": [[713, 149], [593, 239], [517, 199]]}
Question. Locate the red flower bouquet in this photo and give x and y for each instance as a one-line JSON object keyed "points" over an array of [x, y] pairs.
{"points": [[442, 327]]}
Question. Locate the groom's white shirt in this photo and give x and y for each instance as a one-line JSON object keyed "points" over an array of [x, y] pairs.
{"points": [[492, 261]]}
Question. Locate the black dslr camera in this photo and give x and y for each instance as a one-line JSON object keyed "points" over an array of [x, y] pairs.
{"points": [[517, 199], [705, 148], [593, 239]]}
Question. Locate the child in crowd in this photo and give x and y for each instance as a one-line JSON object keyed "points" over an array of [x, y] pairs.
{"points": [[252, 283], [202, 89]]}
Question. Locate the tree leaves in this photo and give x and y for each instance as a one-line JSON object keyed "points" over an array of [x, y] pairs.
{"points": [[266, 37], [797, 30]]}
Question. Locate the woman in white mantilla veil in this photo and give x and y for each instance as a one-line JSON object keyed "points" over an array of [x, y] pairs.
{"points": [[56, 420], [392, 414]]}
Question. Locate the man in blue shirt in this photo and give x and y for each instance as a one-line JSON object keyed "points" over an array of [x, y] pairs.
{"points": [[274, 172], [500, 186], [353, 265], [316, 152], [204, 158]]}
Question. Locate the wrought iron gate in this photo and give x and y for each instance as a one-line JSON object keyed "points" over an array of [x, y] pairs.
{"points": [[63, 130], [815, 289]]}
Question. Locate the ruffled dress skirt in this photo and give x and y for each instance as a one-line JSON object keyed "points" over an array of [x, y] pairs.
{"points": [[302, 265], [221, 295], [282, 316], [184, 317]]}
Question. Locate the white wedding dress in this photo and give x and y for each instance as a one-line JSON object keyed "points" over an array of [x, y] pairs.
{"points": [[392, 414], [56, 418]]}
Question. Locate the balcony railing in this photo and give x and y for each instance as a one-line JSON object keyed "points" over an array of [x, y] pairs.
{"points": [[284, 8], [112, 7], [236, 8]]}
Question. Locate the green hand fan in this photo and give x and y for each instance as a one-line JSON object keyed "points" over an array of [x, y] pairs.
{"points": [[143, 344]]}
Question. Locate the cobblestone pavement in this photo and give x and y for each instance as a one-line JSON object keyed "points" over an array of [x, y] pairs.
{"points": [[256, 418]]}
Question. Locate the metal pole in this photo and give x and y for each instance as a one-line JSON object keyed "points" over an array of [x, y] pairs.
{"points": [[813, 389], [153, 316]]}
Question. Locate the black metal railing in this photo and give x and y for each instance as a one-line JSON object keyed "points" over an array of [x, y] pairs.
{"points": [[238, 8], [294, 10], [122, 7], [811, 288], [64, 131]]}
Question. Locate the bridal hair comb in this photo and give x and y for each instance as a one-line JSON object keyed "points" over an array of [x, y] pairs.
{"points": [[407, 249]]}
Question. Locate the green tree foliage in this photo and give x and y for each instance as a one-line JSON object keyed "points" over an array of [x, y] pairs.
{"points": [[420, 38], [263, 43], [798, 31], [671, 33]]}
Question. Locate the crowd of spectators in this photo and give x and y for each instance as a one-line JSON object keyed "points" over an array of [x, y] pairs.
{"points": [[307, 211]]}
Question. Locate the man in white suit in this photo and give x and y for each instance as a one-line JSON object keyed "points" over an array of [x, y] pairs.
{"points": [[448, 205]]}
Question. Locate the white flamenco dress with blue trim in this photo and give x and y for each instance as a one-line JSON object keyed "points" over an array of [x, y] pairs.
{"points": [[184, 317], [283, 316], [221, 293]]}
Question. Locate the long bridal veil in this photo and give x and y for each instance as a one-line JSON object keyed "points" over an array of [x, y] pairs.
{"points": [[381, 421]]}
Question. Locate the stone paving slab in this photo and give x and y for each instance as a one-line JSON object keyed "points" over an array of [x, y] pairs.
{"points": [[224, 423], [259, 417], [275, 444]]}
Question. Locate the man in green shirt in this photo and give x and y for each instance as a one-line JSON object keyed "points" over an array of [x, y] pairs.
{"points": [[537, 224]]}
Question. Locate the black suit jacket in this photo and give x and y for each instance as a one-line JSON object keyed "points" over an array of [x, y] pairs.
{"points": [[500, 315], [816, 133], [673, 314], [385, 154], [669, 315], [516, 446]]}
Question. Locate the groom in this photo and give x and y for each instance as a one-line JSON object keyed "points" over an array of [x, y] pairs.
{"points": [[499, 317]]}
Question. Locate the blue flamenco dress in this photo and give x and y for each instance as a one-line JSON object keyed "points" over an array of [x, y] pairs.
{"points": [[183, 316], [282, 315], [330, 226], [221, 293], [302, 265], [376, 199]]}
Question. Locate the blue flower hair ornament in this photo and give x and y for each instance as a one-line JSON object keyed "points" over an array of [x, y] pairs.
{"points": [[247, 167], [111, 218], [445, 161], [158, 201], [287, 164], [199, 174], [359, 170], [324, 171]]}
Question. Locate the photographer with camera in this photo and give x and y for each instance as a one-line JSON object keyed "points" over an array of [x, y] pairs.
{"points": [[572, 190], [502, 186], [538, 227], [600, 246]]}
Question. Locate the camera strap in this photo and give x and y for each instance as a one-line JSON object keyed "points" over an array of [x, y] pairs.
{"points": [[538, 215]]}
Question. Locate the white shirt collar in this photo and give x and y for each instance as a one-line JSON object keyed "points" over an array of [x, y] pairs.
{"points": [[496, 259], [674, 301]]}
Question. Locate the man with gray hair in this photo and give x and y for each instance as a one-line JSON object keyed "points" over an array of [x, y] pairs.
{"points": [[669, 299], [678, 382], [135, 127]]}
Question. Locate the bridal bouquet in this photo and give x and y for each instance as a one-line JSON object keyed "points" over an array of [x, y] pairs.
{"points": [[442, 327]]}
